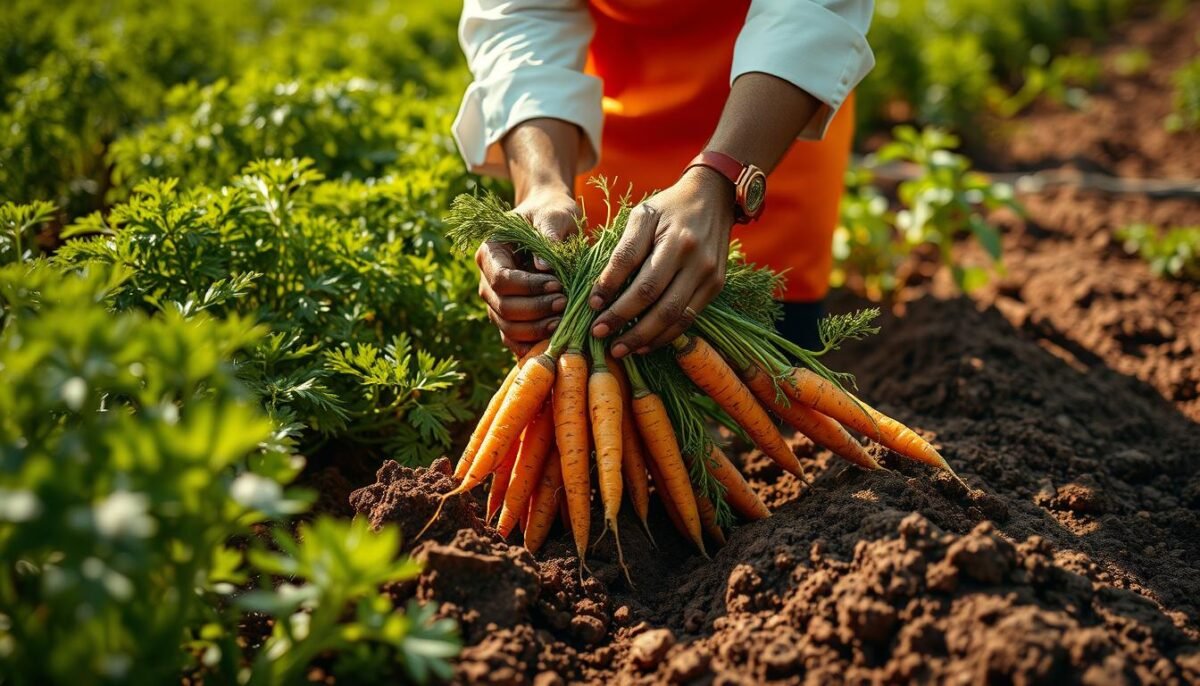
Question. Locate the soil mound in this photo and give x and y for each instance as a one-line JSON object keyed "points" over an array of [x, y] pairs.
{"points": [[409, 497]]}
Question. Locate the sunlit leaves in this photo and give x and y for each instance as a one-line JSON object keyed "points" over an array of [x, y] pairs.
{"points": [[1173, 252], [128, 438], [333, 269], [329, 566], [18, 224], [940, 202]]}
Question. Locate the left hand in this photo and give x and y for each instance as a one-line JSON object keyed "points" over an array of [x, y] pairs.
{"points": [[677, 243]]}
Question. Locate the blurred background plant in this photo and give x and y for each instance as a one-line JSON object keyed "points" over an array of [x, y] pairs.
{"points": [[1172, 252], [1186, 116], [940, 201]]}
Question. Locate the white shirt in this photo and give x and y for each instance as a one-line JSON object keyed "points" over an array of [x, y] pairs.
{"points": [[527, 59]]}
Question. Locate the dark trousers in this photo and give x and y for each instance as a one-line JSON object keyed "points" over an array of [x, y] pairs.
{"points": [[799, 323]]}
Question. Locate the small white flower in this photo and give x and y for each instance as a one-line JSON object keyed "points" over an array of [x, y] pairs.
{"points": [[942, 158], [115, 666], [878, 205], [301, 622], [256, 492], [19, 506], [74, 393], [124, 514]]}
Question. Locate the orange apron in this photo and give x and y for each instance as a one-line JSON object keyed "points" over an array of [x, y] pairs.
{"points": [[665, 66]]}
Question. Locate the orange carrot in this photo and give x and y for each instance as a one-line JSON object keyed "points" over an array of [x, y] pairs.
{"points": [[820, 394], [489, 414], [527, 470], [605, 402], [668, 505], [821, 429], [521, 405], [633, 459], [571, 434], [543, 506], [500, 480], [705, 367], [654, 424], [524, 399], [738, 493], [564, 514], [708, 517]]}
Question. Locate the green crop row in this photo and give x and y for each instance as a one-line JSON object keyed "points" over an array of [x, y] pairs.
{"points": [[951, 63]]}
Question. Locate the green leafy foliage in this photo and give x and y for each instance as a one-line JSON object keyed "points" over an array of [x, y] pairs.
{"points": [[942, 201], [349, 126], [1173, 252], [18, 227], [867, 250], [346, 275], [344, 564], [77, 76], [949, 63], [122, 443], [1064, 80], [1186, 116], [130, 455]]}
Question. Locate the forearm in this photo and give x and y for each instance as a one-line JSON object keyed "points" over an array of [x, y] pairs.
{"points": [[542, 154], [762, 117]]}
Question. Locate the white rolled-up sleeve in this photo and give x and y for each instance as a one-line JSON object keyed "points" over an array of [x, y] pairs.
{"points": [[819, 46], [527, 59]]}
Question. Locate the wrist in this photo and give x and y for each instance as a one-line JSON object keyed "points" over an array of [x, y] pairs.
{"points": [[713, 184], [548, 185], [542, 156]]}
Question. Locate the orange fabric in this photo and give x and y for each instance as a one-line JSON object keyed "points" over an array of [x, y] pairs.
{"points": [[665, 66]]}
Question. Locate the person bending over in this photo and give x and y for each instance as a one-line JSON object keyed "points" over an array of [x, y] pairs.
{"points": [[739, 112]]}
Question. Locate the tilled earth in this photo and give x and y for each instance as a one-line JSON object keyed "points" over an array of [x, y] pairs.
{"points": [[1066, 395]]}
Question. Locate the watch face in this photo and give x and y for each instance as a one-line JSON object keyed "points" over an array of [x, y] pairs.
{"points": [[756, 192]]}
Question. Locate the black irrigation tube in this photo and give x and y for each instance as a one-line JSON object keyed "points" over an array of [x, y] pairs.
{"points": [[1042, 180]]}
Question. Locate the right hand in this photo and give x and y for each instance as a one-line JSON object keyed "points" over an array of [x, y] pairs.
{"points": [[524, 301]]}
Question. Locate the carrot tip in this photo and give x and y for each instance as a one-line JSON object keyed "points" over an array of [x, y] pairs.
{"points": [[621, 559], [599, 538], [646, 528]]}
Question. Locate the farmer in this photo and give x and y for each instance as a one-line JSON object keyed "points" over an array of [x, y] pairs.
{"points": [[719, 104]]}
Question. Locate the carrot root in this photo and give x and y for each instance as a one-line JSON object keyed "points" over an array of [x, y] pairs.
{"points": [[707, 369]]}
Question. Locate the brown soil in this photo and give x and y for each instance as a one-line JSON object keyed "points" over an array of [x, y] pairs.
{"points": [[1067, 395]]}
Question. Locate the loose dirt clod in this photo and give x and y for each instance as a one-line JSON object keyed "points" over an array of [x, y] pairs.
{"points": [[409, 497]]}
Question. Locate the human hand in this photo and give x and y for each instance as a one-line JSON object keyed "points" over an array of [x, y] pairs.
{"points": [[676, 243], [524, 301]]}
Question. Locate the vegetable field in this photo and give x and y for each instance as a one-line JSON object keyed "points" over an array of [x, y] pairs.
{"points": [[250, 430]]}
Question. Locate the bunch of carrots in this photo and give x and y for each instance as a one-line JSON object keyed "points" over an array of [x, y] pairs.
{"points": [[567, 405]]}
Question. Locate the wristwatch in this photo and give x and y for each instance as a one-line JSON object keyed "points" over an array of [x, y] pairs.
{"points": [[749, 182]]}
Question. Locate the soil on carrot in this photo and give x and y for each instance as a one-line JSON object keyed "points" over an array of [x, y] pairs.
{"points": [[1067, 394]]}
